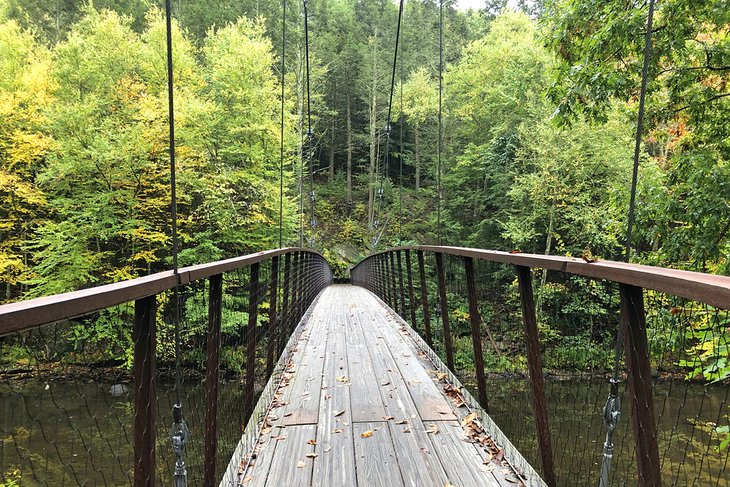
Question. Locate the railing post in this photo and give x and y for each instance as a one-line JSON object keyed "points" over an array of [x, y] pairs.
{"points": [[253, 299], [633, 323], [399, 266], [273, 298], [295, 292], [444, 307], [476, 335], [424, 298], [145, 399], [383, 281], [393, 286], [283, 321], [411, 300], [212, 376], [537, 381]]}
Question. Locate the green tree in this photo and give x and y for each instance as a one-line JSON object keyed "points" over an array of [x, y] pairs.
{"points": [[25, 94]]}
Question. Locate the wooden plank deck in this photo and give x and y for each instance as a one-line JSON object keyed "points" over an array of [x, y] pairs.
{"points": [[360, 404]]}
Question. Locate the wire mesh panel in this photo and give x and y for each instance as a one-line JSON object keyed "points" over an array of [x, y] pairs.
{"points": [[560, 324], [89, 400], [65, 392]]}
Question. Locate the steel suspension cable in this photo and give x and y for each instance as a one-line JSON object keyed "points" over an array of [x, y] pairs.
{"points": [[281, 141], [173, 188], [639, 130], [388, 126], [400, 157], [612, 409], [310, 131], [179, 433], [440, 120]]}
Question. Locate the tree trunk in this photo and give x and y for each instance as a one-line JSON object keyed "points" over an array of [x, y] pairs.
{"points": [[332, 150], [300, 133], [548, 248], [417, 158], [373, 113], [349, 151]]}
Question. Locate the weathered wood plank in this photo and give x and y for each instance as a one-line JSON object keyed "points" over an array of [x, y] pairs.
{"points": [[377, 463], [292, 466], [428, 398], [365, 373], [366, 403], [335, 464], [455, 452], [303, 393]]}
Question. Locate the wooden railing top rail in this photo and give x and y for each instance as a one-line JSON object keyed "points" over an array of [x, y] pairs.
{"points": [[711, 289], [22, 315]]}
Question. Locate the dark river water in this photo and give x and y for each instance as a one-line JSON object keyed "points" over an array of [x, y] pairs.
{"points": [[76, 433]]}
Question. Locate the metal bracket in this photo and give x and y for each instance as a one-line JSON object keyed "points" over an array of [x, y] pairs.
{"points": [[179, 436]]}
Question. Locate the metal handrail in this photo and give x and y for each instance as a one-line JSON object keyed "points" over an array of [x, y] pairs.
{"points": [[23, 315], [710, 289]]}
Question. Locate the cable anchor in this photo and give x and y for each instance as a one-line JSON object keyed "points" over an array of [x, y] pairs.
{"points": [[179, 436], [611, 416]]}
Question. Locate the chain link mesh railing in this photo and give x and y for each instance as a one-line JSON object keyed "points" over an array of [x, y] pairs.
{"points": [[87, 396], [547, 329]]}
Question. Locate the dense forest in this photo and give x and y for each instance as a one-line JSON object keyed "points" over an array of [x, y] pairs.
{"points": [[539, 107], [534, 108]]}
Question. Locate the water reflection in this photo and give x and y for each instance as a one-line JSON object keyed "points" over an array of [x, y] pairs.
{"points": [[78, 433]]}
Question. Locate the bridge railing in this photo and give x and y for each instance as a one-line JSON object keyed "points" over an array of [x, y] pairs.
{"points": [[673, 366], [87, 378]]}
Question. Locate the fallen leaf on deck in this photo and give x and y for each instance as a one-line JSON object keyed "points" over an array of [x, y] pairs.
{"points": [[247, 479], [402, 421], [300, 464], [433, 429], [328, 449], [367, 434], [469, 418], [312, 455], [311, 442], [280, 438], [336, 430], [442, 375], [288, 414], [388, 418], [339, 413], [343, 379]]}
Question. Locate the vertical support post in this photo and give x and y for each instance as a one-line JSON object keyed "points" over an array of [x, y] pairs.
{"points": [[382, 281], [253, 299], [537, 381], [145, 398], [273, 298], [285, 304], [444, 307], [212, 375], [306, 287], [411, 300], [424, 298], [294, 317], [393, 286], [476, 335], [633, 322], [402, 296]]}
